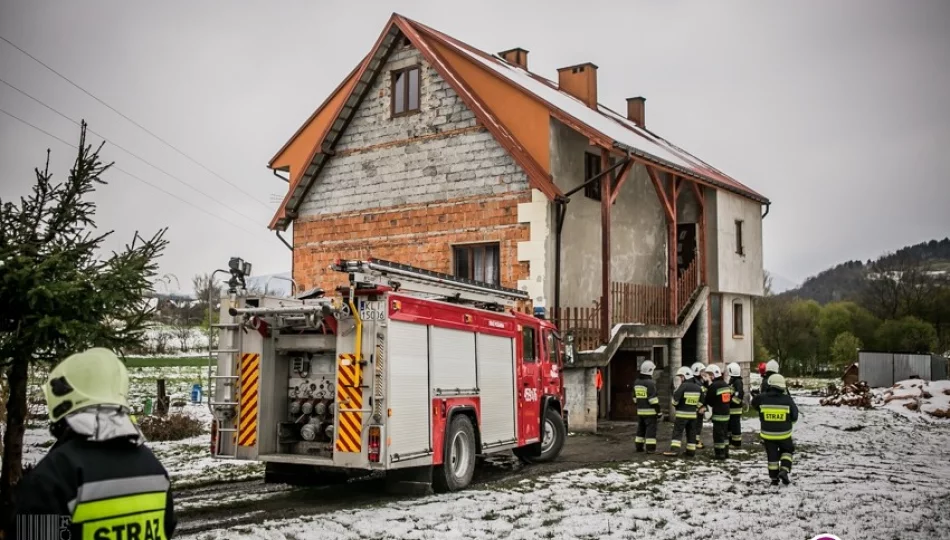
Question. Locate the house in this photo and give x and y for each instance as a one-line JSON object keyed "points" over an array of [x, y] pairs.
{"points": [[437, 154]]}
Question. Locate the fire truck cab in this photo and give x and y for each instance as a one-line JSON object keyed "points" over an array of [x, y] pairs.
{"points": [[406, 372]]}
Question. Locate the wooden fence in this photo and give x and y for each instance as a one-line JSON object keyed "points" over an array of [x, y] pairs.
{"points": [[637, 303], [584, 322]]}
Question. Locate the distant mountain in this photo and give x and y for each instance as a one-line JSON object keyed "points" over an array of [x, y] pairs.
{"points": [[846, 281], [781, 283]]}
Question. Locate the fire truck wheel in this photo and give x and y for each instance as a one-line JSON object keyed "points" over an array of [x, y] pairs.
{"points": [[552, 436], [458, 461]]}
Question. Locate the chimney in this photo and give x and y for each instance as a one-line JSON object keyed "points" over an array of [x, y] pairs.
{"points": [[516, 56], [637, 110], [579, 81]]}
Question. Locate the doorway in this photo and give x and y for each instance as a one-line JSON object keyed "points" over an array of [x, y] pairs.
{"points": [[623, 373]]}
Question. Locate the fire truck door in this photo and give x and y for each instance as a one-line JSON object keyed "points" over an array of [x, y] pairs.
{"points": [[551, 365], [529, 385]]}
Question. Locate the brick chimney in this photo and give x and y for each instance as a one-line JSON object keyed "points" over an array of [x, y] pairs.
{"points": [[636, 110], [579, 81], [516, 56]]}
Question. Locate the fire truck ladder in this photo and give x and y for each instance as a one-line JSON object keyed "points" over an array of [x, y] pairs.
{"points": [[229, 380], [402, 277]]}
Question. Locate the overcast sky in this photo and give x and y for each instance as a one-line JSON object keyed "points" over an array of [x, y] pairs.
{"points": [[836, 111]]}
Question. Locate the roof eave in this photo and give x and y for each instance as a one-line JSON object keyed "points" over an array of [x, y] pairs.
{"points": [[687, 173]]}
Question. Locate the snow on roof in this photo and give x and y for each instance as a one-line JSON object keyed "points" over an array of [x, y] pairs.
{"points": [[618, 128]]}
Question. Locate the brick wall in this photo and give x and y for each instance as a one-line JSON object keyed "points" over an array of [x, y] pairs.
{"points": [[409, 188]]}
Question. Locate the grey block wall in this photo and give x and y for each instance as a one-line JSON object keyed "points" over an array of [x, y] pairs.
{"points": [[436, 154]]}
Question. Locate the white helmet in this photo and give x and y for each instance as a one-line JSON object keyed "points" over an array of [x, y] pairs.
{"points": [[698, 368], [714, 370], [647, 367], [734, 370], [684, 372], [772, 366]]}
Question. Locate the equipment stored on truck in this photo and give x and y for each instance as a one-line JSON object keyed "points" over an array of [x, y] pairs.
{"points": [[404, 371]]}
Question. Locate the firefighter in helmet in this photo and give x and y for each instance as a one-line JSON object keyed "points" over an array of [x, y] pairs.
{"points": [[718, 399], [735, 409], [777, 415], [99, 476], [771, 368], [699, 370], [687, 398], [648, 408]]}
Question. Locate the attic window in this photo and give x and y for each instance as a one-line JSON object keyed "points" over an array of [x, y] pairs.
{"points": [[405, 91]]}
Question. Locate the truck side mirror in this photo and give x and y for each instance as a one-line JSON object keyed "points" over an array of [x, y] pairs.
{"points": [[569, 348]]}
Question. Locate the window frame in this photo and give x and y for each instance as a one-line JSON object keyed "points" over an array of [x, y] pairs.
{"points": [[592, 191], [740, 245], [470, 248], [738, 330], [524, 345], [393, 77]]}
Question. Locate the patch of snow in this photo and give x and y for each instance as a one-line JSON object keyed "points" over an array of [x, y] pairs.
{"points": [[915, 396], [858, 474]]}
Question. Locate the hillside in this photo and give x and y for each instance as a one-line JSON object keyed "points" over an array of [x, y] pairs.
{"points": [[846, 281]]}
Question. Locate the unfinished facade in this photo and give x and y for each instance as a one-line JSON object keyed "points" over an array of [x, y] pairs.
{"points": [[439, 155]]}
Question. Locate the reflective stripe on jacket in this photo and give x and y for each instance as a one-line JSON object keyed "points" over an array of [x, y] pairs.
{"points": [[719, 398], [645, 396], [109, 489], [777, 414], [687, 399], [738, 393]]}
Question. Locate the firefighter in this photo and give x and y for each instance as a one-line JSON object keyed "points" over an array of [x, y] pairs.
{"points": [[648, 408], [771, 368], [687, 398], [98, 477], [718, 399], [698, 370], [735, 408], [777, 415]]}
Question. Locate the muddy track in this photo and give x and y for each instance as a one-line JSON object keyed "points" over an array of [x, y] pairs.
{"points": [[233, 504]]}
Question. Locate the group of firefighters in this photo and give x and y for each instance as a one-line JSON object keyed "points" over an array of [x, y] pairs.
{"points": [[701, 388]]}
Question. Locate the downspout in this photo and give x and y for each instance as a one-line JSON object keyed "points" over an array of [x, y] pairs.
{"points": [[279, 176], [768, 206]]}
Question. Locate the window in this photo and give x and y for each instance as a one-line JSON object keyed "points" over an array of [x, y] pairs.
{"points": [[591, 169], [478, 262], [737, 322], [405, 91], [527, 344], [740, 248], [715, 327], [553, 345]]}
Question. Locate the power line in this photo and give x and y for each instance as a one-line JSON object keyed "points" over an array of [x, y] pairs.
{"points": [[136, 124], [133, 154], [146, 182]]}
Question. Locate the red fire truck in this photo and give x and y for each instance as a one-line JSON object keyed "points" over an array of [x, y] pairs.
{"points": [[408, 372]]}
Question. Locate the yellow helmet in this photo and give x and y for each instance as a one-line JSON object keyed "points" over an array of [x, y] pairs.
{"points": [[86, 379]]}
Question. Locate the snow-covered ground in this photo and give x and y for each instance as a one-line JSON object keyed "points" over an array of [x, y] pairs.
{"points": [[859, 474]]}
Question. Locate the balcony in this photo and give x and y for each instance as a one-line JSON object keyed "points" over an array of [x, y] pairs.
{"points": [[630, 303]]}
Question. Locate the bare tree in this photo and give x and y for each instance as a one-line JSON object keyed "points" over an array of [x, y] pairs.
{"points": [[182, 326]]}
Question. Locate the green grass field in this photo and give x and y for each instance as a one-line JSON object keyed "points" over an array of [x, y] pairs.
{"points": [[166, 361]]}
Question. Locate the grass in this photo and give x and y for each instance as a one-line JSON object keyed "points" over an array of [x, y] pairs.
{"points": [[166, 361]]}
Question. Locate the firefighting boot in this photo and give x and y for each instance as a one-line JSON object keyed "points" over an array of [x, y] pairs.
{"points": [[720, 453], [784, 476], [775, 481]]}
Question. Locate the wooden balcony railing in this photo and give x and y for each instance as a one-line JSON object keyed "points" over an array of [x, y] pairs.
{"points": [[630, 303]]}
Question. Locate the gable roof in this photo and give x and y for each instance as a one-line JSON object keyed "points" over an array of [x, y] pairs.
{"points": [[446, 55]]}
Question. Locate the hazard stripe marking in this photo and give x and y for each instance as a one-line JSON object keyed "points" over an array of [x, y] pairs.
{"points": [[349, 433], [250, 384]]}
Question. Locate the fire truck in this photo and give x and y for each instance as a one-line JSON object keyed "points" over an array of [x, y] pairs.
{"points": [[405, 371]]}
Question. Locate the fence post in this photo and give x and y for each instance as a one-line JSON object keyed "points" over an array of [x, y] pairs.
{"points": [[161, 403]]}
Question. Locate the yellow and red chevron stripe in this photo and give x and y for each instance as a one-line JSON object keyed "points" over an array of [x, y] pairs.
{"points": [[349, 401], [250, 381]]}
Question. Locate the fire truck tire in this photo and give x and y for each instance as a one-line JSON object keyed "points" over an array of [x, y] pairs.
{"points": [[553, 435], [458, 461]]}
